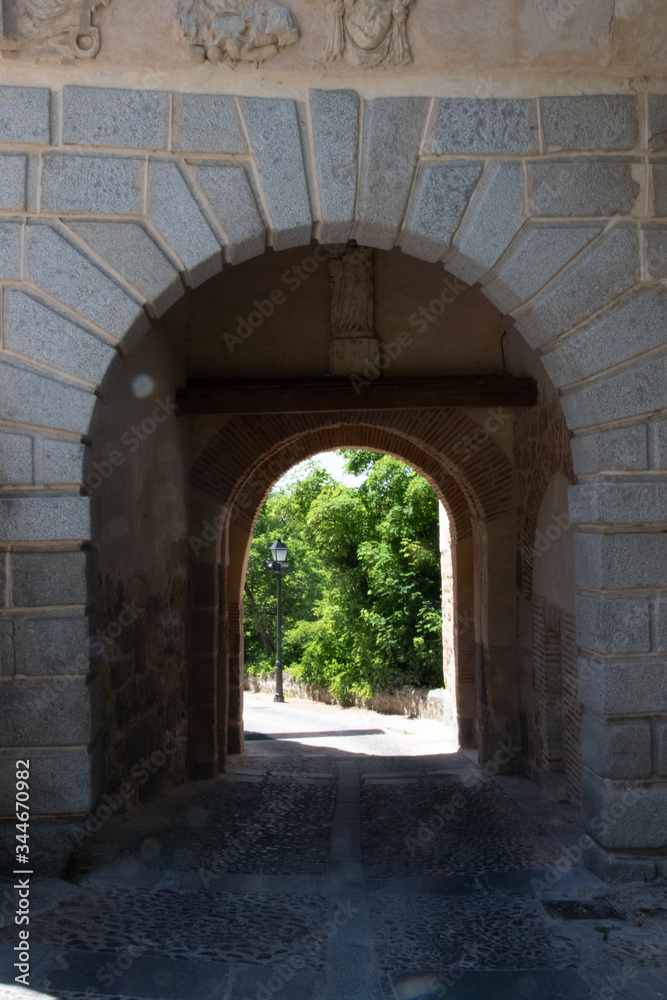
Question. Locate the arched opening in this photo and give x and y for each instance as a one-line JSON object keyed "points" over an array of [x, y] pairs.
{"points": [[178, 493], [510, 216], [368, 604]]}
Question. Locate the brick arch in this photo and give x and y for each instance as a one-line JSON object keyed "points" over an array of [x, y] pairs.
{"points": [[236, 461], [253, 489], [241, 464], [102, 241]]}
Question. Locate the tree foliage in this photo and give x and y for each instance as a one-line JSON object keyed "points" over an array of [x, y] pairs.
{"points": [[362, 602]]}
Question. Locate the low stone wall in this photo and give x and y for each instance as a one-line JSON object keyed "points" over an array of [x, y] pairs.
{"points": [[413, 703]]}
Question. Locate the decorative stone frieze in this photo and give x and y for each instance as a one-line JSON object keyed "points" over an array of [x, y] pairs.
{"points": [[50, 27], [237, 31], [369, 33]]}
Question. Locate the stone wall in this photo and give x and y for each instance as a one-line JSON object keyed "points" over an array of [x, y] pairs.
{"points": [[413, 703], [138, 473], [556, 723]]}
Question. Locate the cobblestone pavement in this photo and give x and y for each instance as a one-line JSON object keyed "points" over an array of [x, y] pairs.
{"points": [[345, 856]]}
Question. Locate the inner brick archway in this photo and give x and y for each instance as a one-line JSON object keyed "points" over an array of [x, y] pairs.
{"points": [[569, 243], [238, 468]]}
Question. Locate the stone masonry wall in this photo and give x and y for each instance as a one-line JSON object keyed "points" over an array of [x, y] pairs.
{"points": [[137, 471], [109, 208]]}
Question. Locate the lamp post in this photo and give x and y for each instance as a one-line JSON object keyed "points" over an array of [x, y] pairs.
{"points": [[278, 567]]}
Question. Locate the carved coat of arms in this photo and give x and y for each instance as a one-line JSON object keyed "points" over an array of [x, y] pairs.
{"points": [[237, 31], [61, 27], [369, 32]]}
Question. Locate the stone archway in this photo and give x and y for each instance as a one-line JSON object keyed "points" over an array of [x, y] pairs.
{"points": [[99, 241]]}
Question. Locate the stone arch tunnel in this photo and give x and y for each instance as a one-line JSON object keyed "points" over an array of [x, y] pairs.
{"points": [[127, 260]]}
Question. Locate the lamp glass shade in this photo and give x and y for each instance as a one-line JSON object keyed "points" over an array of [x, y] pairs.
{"points": [[279, 551]]}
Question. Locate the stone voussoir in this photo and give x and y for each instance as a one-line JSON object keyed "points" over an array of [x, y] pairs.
{"points": [[30, 397], [638, 390], [595, 277], [84, 182], [335, 118], [494, 216], [224, 185], [132, 252], [32, 327], [537, 254], [173, 209], [442, 195], [604, 342], [655, 240], [62, 461], [63, 269], [393, 129], [207, 123], [586, 186], [275, 137], [17, 461], [657, 438]]}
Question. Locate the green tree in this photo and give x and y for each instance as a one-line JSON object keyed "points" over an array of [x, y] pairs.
{"points": [[283, 514], [362, 608]]}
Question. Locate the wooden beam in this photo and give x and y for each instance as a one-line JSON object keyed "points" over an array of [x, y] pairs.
{"points": [[332, 394]]}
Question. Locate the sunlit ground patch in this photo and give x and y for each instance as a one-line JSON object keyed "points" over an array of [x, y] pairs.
{"points": [[423, 987]]}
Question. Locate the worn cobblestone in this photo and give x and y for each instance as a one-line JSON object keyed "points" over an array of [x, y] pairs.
{"points": [[432, 933], [253, 930], [461, 899], [504, 842]]}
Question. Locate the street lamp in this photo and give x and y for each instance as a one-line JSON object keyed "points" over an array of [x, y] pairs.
{"points": [[278, 567]]}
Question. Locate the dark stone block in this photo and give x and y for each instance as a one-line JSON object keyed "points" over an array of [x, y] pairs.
{"points": [[53, 578]]}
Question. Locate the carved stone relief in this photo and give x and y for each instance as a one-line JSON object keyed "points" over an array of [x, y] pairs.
{"points": [[49, 27], [353, 340], [369, 32], [351, 271], [237, 31]]}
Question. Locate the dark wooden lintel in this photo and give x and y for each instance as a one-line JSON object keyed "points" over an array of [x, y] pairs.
{"points": [[328, 395]]}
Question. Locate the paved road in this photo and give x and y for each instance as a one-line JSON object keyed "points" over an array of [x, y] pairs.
{"points": [[351, 730], [373, 864]]}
